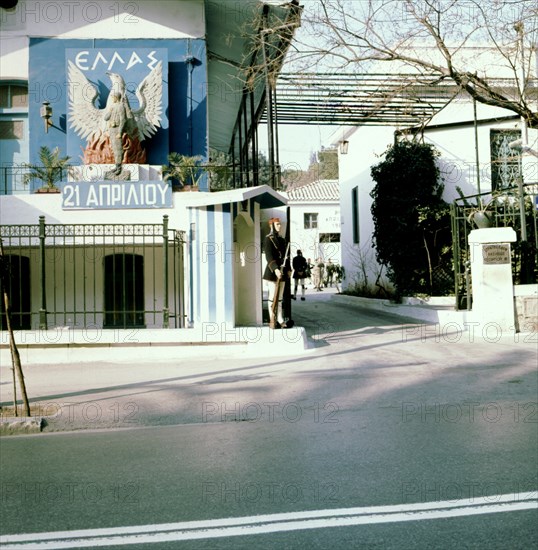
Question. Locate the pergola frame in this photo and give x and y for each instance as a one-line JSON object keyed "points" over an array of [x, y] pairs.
{"points": [[374, 99]]}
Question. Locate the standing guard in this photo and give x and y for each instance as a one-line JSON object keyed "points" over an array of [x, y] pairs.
{"points": [[276, 272]]}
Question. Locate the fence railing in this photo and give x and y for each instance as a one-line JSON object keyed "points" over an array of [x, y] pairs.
{"points": [[511, 207], [219, 177], [12, 179], [94, 275]]}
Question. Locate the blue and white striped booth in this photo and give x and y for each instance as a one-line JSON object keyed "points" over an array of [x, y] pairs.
{"points": [[226, 255]]}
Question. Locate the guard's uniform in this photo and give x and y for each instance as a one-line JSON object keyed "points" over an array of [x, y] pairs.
{"points": [[274, 247]]}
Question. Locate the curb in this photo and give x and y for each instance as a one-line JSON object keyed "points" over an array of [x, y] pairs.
{"points": [[435, 313], [21, 425], [212, 340]]}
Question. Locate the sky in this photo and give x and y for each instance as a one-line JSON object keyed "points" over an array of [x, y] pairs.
{"points": [[297, 143]]}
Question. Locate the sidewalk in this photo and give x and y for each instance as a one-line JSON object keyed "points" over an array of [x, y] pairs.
{"points": [[164, 379], [436, 310], [67, 346]]}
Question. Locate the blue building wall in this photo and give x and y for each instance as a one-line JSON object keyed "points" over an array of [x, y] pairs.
{"points": [[184, 117]]}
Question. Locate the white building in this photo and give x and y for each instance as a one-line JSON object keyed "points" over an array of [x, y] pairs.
{"points": [[315, 220], [475, 141], [452, 132]]}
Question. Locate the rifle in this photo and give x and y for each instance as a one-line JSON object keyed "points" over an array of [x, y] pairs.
{"points": [[274, 306]]}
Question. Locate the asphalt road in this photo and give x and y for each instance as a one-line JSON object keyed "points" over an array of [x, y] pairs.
{"points": [[380, 413]]}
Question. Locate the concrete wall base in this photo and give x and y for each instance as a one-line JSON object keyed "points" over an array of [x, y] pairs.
{"points": [[443, 314], [75, 345], [526, 304]]}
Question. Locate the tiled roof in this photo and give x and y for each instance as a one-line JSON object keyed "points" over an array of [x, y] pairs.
{"points": [[317, 191]]}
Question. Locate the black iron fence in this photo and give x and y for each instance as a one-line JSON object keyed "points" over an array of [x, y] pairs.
{"points": [[216, 177], [94, 275], [13, 179], [514, 207]]}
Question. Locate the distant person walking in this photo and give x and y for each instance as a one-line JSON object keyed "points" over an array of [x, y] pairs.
{"points": [[329, 273], [334, 275], [310, 267], [300, 273], [317, 274], [339, 276]]}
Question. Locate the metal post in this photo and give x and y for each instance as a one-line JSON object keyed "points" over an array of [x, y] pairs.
{"points": [[240, 151], [525, 276], [270, 133], [234, 171], [277, 175], [179, 243], [189, 60], [468, 284], [476, 155], [269, 108], [245, 124], [254, 141], [43, 309], [166, 309], [455, 252], [524, 132]]}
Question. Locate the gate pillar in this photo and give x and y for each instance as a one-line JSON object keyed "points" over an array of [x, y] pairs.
{"points": [[491, 273]]}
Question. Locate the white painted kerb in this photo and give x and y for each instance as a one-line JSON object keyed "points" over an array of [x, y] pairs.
{"points": [[65, 345]]}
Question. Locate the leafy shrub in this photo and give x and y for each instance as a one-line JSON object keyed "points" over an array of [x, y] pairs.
{"points": [[411, 221]]}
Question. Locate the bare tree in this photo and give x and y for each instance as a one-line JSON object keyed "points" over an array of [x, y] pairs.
{"points": [[487, 48], [364, 268], [15, 357]]}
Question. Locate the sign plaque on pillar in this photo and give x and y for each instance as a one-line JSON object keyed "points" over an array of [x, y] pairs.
{"points": [[496, 254]]}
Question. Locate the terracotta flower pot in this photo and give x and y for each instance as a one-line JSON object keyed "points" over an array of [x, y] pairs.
{"points": [[47, 190]]}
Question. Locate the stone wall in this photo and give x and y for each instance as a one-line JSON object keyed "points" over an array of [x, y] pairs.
{"points": [[526, 306]]}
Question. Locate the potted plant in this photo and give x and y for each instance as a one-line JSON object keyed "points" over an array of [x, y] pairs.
{"points": [[481, 217], [49, 171], [186, 170], [479, 214], [502, 200]]}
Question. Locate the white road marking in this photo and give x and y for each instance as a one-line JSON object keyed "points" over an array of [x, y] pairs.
{"points": [[272, 523]]}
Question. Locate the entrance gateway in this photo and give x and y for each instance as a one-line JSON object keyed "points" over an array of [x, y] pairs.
{"points": [[491, 271]]}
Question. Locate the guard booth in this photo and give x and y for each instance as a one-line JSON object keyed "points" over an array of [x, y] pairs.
{"points": [[225, 255]]}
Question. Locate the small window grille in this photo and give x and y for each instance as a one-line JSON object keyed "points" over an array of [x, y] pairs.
{"points": [[19, 97], [310, 221], [13, 96], [505, 162], [329, 237]]}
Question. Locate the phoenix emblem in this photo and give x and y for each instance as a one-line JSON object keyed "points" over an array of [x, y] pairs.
{"points": [[114, 133]]}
